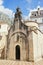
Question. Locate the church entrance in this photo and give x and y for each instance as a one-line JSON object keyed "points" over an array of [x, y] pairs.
{"points": [[17, 52]]}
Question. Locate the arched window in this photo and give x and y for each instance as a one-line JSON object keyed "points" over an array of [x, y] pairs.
{"points": [[17, 52]]}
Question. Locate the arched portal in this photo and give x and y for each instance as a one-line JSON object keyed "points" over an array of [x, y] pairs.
{"points": [[17, 52]]}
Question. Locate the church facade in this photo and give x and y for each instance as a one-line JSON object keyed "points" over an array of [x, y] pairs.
{"points": [[24, 42]]}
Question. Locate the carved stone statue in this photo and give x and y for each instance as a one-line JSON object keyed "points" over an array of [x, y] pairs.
{"points": [[18, 14]]}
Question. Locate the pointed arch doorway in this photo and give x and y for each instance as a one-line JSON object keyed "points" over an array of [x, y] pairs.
{"points": [[17, 52]]}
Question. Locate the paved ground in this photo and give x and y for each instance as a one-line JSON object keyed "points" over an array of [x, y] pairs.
{"points": [[39, 62], [9, 62]]}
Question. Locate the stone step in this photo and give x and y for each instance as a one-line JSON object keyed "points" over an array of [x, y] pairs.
{"points": [[11, 62]]}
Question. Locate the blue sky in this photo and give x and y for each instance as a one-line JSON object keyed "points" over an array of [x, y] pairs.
{"points": [[24, 5]]}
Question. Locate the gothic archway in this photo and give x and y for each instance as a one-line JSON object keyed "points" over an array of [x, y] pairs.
{"points": [[17, 52]]}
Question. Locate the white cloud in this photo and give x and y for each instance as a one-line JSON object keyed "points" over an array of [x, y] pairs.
{"points": [[1, 2], [29, 1], [6, 10]]}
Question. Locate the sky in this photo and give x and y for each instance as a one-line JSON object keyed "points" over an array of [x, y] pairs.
{"points": [[9, 6]]}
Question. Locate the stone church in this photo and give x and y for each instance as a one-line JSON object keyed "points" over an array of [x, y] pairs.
{"points": [[24, 43], [18, 43]]}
